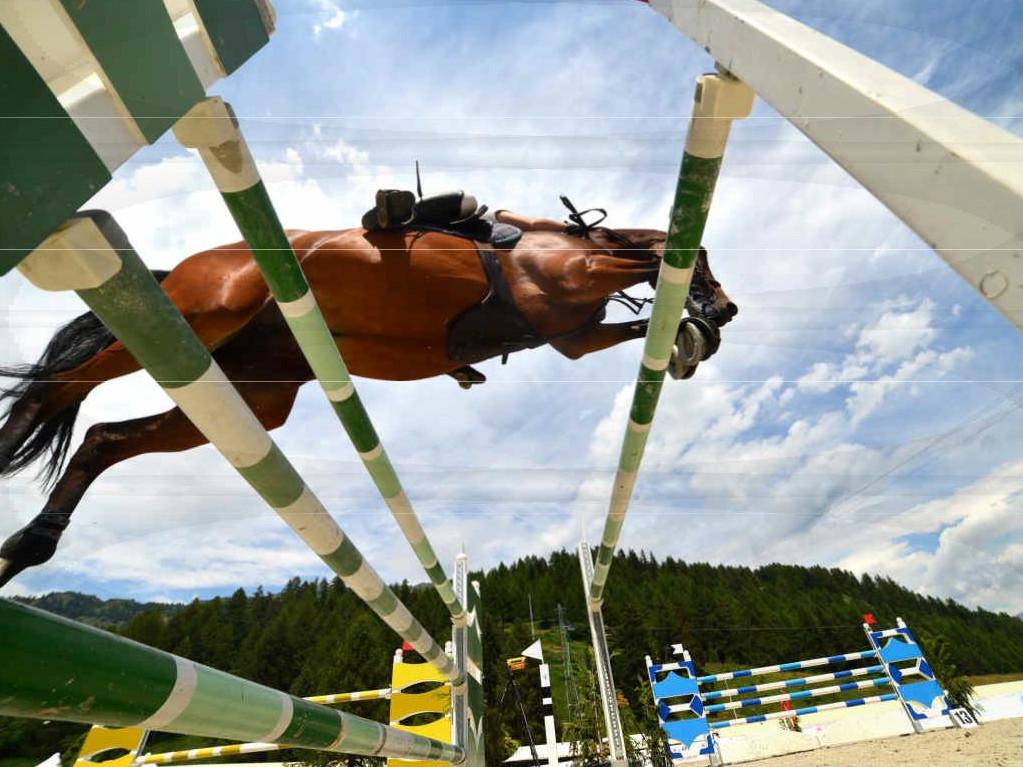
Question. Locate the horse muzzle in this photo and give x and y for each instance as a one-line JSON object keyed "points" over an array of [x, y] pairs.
{"points": [[720, 313]]}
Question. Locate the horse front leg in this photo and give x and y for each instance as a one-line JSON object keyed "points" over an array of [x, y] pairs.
{"points": [[597, 336]]}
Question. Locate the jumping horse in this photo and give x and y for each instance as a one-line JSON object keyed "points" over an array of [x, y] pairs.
{"points": [[406, 299]]}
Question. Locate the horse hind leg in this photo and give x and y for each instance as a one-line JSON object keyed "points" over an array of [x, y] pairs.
{"points": [[107, 444]]}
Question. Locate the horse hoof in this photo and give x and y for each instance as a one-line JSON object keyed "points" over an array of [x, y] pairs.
{"points": [[31, 545], [697, 341], [689, 351], [7, 571]]}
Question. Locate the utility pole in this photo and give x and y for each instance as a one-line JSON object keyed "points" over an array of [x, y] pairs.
{"points": [[532, 628], [571, 691]]}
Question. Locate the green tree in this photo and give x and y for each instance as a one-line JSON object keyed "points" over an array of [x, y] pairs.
{"points": [[940, 656], [585, 730]]}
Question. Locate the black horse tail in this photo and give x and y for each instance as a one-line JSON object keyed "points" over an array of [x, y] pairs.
{"points": [[22, 443]]}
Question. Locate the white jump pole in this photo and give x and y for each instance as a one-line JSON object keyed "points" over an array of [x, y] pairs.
{"points": [[951, 176]]}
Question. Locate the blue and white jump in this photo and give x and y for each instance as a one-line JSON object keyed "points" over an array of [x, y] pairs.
{"points": [[788, 684], [685, 711]]}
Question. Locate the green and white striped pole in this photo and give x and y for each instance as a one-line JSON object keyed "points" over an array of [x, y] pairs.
{"points": [[720, 99], [258, 747], [91, 255], [55, 668], [210, 126]]}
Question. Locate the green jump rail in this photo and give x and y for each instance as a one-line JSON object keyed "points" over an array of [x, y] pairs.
{"points": [[93, 677], [719, 100], [211, 128]]}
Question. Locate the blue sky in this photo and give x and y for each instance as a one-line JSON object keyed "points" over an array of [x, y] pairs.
{"points": [[864, 410]]}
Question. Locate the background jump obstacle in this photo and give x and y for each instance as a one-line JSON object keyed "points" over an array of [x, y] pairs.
{"points": [[684, 709], [406, 705]]}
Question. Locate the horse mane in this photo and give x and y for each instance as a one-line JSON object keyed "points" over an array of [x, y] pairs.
{"points": [[628, 243]]}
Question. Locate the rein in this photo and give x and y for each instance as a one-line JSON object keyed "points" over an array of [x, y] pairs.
{"points": [[580, 227], [633, 304]]}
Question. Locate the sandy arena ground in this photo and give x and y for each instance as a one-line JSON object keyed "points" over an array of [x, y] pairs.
{"points": [[998, 744]]}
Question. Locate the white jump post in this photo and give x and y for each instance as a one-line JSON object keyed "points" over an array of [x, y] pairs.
{"points": [[535, 651], [468, 700], [602, 660], [547, 701]]}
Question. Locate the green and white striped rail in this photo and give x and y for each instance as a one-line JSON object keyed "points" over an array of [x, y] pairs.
{"points": [[720, 99], [211, 128], [94, 677], [258, 747], [91, 255]]}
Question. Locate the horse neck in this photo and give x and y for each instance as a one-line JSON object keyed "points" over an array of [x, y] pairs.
{"points": [[634, 244]]}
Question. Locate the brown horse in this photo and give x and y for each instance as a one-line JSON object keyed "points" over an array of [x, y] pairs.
{"points": [[390, 298]]}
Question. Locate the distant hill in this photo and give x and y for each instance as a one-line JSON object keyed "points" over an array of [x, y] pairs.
{"points": [[93, 610], [316, 637]]}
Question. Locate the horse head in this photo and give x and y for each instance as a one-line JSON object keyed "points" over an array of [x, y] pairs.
{"points": [[707, 298]]}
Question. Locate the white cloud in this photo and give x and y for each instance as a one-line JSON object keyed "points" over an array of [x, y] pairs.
{"points": [[331, 17], [733, 487], [900, 331], [796, 443], [975, 555]]}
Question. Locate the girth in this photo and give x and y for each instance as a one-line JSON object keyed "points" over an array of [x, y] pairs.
{"points": [[494, 327]]}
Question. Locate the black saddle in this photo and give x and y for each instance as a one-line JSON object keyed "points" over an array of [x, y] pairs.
{"points": [[455, 213]]}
